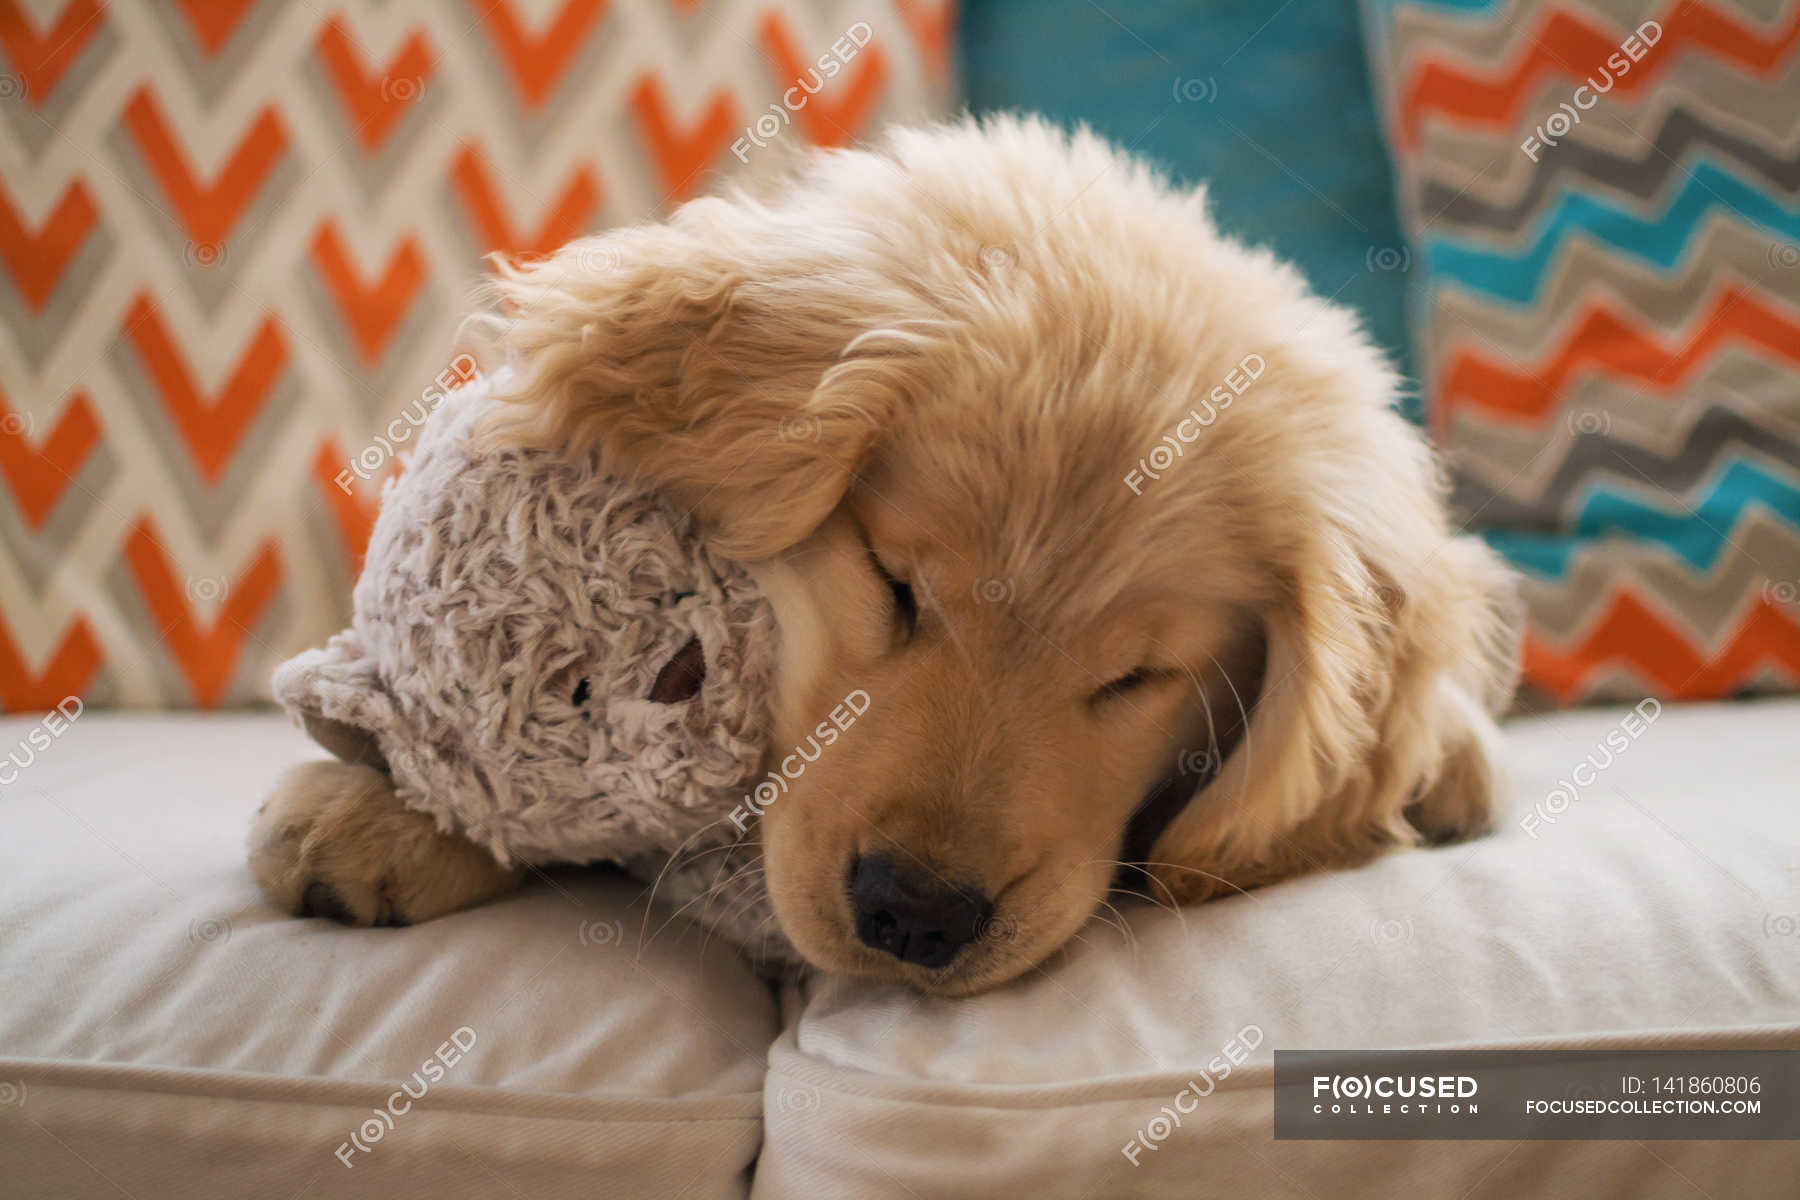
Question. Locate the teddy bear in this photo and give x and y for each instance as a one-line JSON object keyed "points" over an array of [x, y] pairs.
{"points": [[552, 663]]}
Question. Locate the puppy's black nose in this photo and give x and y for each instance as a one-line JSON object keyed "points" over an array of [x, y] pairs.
{"points": [[911, 915]]}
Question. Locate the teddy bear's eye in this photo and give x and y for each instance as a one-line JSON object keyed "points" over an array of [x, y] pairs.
{"points": [[582, 692], [681, 676]]}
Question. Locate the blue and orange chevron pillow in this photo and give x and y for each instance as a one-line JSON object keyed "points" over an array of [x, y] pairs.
{"points": [[1604, 205]]}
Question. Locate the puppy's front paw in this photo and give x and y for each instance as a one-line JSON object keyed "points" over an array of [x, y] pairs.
{"points": [[1465, 799], [334, 841]]}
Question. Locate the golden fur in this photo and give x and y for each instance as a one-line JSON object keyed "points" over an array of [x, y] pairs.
{"points": [[335, 841], [946, 357]]}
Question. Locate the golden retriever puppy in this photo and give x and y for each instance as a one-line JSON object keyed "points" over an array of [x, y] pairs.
{"points": [[1110, 518]]}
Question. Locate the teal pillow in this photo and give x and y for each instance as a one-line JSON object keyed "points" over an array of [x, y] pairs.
{"points": [[1269, 104]]}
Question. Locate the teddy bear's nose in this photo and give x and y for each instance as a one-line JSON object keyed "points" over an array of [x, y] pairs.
{"points": [[681, 676]]}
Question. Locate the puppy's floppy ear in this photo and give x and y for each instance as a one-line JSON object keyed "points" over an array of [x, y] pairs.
{"points": [[737, 357], [1389, 649], [335, 693]]}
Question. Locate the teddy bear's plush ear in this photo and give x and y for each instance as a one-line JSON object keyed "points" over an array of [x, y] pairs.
{"points": [[336, 693]]}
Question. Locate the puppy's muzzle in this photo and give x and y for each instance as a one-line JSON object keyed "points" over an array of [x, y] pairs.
{"points": [[915, 916]]}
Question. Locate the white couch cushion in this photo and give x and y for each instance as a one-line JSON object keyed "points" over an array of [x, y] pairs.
{"points": [[1657, 909], [163, 1029]]}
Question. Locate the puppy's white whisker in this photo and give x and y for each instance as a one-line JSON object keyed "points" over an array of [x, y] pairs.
{"points": [[729, 919], [1205, 874], [1212, 729], [1120, 922], [753, 866], [675, 859]]}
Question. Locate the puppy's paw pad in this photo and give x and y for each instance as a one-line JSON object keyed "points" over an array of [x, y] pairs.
{"points": [[335, 842], [320, 900]]}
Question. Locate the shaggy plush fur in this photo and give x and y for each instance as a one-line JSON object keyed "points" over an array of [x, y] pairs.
{"points": [[514, 611]]}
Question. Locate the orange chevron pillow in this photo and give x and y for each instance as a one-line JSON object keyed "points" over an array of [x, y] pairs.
{"points": [[235, 241], [1605, 214]]}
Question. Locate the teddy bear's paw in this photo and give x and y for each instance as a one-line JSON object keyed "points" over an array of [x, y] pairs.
{"points": [[334, 841]]}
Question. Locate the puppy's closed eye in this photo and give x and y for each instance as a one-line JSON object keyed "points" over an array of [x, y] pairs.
{"points": [[906, 605], [1135, 680]]}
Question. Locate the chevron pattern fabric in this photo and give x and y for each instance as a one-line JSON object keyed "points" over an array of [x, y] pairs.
{"points": [[236, 237], [1604, 202]]}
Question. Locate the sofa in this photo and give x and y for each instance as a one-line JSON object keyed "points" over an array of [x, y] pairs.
{"points": [[165, 1032], [237, 240]]}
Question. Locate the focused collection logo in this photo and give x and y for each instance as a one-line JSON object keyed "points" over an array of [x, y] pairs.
{"points": [[1394, 1095], [1531, 1094]]}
